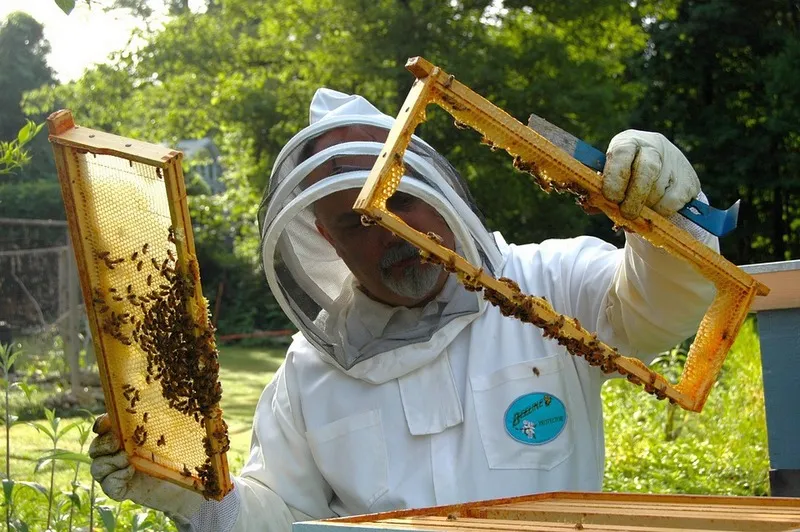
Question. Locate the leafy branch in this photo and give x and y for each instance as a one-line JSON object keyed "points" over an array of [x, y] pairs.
{"points": [[12, 153]]}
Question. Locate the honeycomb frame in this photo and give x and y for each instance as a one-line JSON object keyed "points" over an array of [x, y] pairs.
{"points": [[129, 224], [554, 169]]}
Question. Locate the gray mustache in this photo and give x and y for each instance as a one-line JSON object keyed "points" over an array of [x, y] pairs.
{"points": [[398, 253]]}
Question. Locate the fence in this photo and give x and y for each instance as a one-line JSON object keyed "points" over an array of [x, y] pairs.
{"points": [[39, 289]]}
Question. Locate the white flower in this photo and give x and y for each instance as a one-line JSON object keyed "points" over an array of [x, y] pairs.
{"points": [[529, 429]]}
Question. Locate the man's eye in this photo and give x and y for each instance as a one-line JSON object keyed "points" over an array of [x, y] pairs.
{"points": [[400, 201], [351, 223]]}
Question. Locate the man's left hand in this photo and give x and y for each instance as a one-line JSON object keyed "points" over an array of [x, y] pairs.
{"points": [[645, 169]]}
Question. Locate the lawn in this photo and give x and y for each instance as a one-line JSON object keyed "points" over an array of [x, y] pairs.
{"points": [[243, 372]]}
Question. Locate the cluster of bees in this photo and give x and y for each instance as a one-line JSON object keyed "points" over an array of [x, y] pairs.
{"points": [[548, 185], [179, 350], [523, 307]]}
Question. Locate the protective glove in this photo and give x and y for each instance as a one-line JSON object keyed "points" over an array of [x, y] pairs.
{"points": [[645, 169], [120, 481]]}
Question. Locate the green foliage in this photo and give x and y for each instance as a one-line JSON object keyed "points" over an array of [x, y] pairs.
{"points": [[721, 78], [33, 199], [12, 153], [23, 64], [65, 5], [655, 447], [243, 73]]}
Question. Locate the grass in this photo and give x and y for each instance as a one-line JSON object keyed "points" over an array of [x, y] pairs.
{"points": [[244, 373]]}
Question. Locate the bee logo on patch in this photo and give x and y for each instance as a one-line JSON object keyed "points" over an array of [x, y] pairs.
{"points": [[547, 400]]}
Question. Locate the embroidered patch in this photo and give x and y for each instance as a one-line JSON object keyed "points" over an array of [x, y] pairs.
{"points": [[535, 418]]}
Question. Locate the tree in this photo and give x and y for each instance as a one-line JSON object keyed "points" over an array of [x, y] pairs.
{"points": [[721, 80], [23, 66]]}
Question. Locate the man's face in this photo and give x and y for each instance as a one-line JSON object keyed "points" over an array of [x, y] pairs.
{"points": [[387, 267]]}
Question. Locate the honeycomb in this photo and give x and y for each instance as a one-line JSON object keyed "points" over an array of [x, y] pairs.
{"points": [[128, 220], [554, 170]]}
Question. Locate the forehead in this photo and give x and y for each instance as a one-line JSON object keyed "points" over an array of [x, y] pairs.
{"points": [[334, 137]]}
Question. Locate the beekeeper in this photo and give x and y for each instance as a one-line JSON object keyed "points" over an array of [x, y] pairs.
{"points": [[402, 389]]}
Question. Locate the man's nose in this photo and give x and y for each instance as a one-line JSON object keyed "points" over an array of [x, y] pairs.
{"points": [[387, 238]]}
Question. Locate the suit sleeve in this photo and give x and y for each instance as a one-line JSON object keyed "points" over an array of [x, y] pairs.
{"points": [[655, 300]]}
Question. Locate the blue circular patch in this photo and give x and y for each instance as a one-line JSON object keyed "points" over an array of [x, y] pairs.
{"points": [[535, 418]]}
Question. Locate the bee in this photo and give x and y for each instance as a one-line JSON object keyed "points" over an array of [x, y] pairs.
{"points": [[535, 371], [436, 238], [162, 441], [112, 289], [186, 472], [145, 416], [171, 235], [134, 255], [129, 288], [171, 255], [130, 410], [103, 255], [159, 173], [139, 266]]}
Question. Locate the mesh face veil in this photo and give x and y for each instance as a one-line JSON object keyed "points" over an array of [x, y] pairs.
{"points": [[310, 281]]}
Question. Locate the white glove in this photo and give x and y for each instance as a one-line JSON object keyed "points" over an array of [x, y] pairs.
{"points": [[645, 169], [120, 481]]}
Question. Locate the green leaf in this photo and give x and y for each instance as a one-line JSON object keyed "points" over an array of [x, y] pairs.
{"points": [[108, 517], [19, 526], [41, 427], [75, 499], [8, 489], [140, 522], [68, 428], [67, 456], [35, 486], [41, 464], [66, 5], [24, 134], [27, 388]]}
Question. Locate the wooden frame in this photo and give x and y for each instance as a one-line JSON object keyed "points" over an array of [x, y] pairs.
{"points": [[554, 169], [571, 511], [70, 142]]}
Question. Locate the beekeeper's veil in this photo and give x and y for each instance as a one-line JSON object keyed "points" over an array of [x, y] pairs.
{"points": [[311, 283]]}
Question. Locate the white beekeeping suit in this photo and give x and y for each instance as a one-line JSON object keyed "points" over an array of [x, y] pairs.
{"points": [[455, 402], [380, 407]]}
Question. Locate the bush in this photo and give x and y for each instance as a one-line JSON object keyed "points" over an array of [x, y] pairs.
{"points": [[655, 447]]}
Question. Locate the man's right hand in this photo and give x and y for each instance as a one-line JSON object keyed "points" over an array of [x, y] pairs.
{"points": [[119, 480]]}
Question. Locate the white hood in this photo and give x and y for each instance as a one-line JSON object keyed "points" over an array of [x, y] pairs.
{"points": [[313, 285]]}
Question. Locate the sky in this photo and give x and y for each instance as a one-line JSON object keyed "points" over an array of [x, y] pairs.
{"points": [[85, 37]]}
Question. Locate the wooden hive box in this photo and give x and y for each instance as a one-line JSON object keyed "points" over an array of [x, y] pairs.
{"points": [[563, 511]]}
